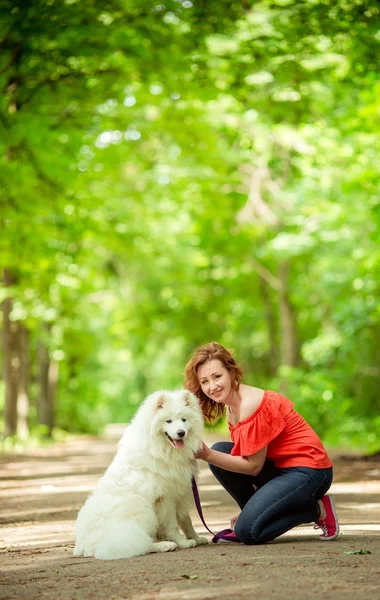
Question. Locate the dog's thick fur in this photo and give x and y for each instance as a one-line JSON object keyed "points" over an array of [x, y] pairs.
{"points": [[146, 494]]}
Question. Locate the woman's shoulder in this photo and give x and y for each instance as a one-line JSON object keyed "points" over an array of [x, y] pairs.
{"points": [[251, 399], [258, 405]]}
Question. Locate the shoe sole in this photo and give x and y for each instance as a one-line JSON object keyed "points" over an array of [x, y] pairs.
{"points": [[332, 537]]}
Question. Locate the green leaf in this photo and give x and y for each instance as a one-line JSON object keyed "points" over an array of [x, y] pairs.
{"points": [[356, 552]]}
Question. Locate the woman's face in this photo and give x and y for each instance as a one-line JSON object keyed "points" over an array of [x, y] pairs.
{"points": [[215, 380]]}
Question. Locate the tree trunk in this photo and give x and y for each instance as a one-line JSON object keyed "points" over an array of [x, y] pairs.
{"points": [[44, 415], [48, 375], [11, 362], [23, 387], [289, 342], [52, 387], [271, 326]]}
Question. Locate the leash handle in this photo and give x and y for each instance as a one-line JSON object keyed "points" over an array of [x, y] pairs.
{"points": [[198, 503]]}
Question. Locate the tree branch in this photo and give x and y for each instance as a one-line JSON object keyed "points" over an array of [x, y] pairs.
{"points": [[45, 178], [13, 58], [265, 274], [72, 75]]}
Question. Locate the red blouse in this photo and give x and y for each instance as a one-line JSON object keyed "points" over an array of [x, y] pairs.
{"points": [[291, 441]]}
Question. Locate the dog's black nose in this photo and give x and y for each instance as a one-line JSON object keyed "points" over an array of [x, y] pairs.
{"points": [[181, 433]]}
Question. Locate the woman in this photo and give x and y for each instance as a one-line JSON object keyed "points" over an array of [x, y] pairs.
{"points": [[276, 467]]}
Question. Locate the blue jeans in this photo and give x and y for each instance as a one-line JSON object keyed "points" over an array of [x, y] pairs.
{"points": [[275, 500]]}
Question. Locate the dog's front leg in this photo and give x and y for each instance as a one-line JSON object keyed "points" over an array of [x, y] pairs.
{"points": [[188, 529], [168, 525]]}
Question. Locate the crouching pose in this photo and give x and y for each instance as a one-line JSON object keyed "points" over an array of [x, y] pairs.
{"points": [[276, 467]]}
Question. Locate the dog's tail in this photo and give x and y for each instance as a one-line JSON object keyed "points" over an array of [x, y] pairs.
{"points": [[123, 539]]}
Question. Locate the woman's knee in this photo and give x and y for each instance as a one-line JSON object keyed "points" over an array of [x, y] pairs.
{"points": [[244, 533], [224, 447]]}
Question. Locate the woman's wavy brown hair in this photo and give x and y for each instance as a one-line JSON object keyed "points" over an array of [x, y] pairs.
{"points": [[212, 351]]}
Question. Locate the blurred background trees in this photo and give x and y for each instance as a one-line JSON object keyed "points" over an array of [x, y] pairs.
{"points": [[183, 172]]}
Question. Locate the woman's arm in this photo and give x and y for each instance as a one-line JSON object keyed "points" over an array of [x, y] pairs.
{"points": [[247, 465]]}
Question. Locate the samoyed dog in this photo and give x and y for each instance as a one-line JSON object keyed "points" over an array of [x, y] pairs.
{"points": [[145, 495]]}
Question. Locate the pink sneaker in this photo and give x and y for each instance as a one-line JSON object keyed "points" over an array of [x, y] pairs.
{"points": [[227, 535], [330, 524]]}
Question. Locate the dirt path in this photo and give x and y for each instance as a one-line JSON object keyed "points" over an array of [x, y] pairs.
{"points": [[41, 493]]}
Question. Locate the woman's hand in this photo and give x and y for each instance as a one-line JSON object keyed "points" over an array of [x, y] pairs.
{"points": [[233, 521], [202, 452]]}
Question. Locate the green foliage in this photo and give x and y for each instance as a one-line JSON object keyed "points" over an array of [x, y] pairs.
{"points": [[161, 164]]}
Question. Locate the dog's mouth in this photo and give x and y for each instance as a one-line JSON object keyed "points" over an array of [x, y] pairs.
{"points": [[178, 444]]}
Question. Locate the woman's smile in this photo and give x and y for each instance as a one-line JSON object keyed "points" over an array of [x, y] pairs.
{"points": [[215, 380]]}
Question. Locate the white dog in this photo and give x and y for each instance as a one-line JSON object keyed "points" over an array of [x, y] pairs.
{"points": [[146, 492]]}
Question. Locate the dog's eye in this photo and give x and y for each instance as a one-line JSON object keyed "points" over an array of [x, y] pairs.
{"points": [[184, 420], [169, 421]]}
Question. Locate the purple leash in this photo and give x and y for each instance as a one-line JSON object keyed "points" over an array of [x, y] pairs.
{"points": [[198, 504], [227, 535]]}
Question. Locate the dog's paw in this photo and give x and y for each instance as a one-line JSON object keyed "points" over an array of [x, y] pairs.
{"points": [[165, 546], [200, 541], [186, 544]]}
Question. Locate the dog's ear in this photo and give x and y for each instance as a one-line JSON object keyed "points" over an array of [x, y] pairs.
{"points": [[187, 399], [160, 402]]}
